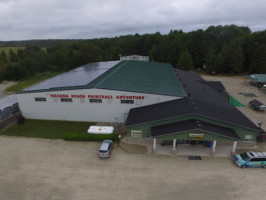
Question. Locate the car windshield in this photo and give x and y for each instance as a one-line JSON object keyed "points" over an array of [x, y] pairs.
{"points": [[244, 156], [102, 151]]}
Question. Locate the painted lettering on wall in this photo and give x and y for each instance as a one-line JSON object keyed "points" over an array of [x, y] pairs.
{"points": [[77, 96], [129, 97], [95, 96], [100, 96], [59, 95]]}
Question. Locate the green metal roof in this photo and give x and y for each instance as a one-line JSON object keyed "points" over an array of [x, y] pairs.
{"points": [[257, 77], [128, 75], [141, 76]]}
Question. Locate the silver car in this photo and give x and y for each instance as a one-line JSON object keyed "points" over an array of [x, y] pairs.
{"points": [[105, 149]]}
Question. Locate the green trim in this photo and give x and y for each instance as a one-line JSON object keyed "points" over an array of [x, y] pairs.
{"points": [[198, 131], [240, 131]]}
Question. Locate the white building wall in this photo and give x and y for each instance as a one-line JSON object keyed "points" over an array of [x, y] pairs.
{"points": [[110, 110]]}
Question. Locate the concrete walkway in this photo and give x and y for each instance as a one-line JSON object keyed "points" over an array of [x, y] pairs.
{"points": [[193, 150], [181, 149]]}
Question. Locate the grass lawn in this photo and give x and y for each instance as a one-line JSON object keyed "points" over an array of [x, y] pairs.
{"points": [[46, 129], [235, 102], [31, 81]]}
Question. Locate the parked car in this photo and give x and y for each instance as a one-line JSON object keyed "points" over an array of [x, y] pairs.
{"points": [[251, 159], [105, 149]]}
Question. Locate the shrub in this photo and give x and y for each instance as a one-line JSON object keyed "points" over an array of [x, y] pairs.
{"points": [[90, 137], [21, 119]]}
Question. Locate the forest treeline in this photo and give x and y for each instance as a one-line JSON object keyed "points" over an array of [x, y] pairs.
{"points": [[226, 49]]}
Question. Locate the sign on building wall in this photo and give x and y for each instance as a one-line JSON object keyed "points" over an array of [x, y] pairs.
{"points": [[196, 135], [136, 133], [93, 96]]}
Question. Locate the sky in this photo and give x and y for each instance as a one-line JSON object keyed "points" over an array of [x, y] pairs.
{"points": [[87, 19]]}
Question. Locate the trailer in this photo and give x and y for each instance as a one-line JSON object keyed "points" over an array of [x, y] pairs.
{"points": [[257, 105]]}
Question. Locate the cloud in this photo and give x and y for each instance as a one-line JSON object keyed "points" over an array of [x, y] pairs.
{"points": [[60, 19]]}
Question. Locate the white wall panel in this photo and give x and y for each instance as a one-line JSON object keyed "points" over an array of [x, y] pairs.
{"points": [[77, 111]]}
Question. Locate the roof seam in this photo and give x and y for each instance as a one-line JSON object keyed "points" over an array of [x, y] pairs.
{"points": [[110, 74]]}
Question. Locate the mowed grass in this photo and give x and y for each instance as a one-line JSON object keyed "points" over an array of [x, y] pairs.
{"points": [[46, 129], [31, 81]]}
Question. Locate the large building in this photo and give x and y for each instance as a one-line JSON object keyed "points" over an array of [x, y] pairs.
{"points": [[152, 99], [101, 92]]}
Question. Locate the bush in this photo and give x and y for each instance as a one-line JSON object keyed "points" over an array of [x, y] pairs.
{"points": [[90, 137], [21, 119]]}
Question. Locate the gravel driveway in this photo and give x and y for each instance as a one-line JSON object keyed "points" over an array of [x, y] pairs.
{"points": [[55, 169]]}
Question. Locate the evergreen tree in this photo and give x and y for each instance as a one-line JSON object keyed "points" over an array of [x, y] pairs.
{"points": [[233, 58], [3, 64], [185, 61], [214, 62], [12, 56], [258, 60]]}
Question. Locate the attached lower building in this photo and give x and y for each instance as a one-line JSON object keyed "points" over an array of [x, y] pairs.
{"points": [[204, 116]]}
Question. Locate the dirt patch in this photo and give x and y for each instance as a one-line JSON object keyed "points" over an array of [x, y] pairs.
{"points": [[133, 148], [3, 86]]}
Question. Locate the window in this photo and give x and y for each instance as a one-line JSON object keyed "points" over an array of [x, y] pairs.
{"points": [[255, 160], [95, 101], [66, 100], [40, 99], [127, 101], [139, 102], [248, 138]]}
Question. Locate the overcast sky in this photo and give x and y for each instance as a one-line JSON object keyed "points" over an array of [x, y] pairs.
{"points": [[86, 19]]}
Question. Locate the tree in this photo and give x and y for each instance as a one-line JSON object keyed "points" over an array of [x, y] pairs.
{"points": [[258, 60], [214, 62], [3, 64], [12, 56], [233, 58], [185, 61]]}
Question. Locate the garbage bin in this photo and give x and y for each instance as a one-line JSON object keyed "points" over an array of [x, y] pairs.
{"points": [[209, 144]]}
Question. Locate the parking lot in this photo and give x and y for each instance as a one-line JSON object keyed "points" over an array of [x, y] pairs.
{"points": [[236, 85], [56, 169]]}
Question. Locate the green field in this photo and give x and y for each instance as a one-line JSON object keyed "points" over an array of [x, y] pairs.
{"points": [[6, 49], [31, 81], [15, 49], [46, 129]]}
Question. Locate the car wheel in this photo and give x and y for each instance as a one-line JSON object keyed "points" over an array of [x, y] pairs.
{"points": [[243, 166]]}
